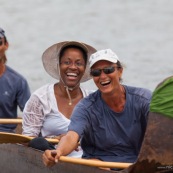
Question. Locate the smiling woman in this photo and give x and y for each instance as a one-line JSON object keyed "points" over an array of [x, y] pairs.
{"points": [[48, 111]]}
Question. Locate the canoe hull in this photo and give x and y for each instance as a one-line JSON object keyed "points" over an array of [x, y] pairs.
{"points": [[17, 158]]}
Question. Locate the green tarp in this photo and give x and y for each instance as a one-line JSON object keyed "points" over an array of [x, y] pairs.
{"points": [[162, 98]]}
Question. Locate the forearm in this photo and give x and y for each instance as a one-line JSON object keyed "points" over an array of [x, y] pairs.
{"points": [[68, 143]]}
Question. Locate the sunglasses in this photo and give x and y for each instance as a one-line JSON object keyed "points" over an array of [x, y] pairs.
{"points": [[107, 70]]}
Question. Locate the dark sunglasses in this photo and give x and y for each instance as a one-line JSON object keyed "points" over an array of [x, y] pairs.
{"points": [[107, 70]]}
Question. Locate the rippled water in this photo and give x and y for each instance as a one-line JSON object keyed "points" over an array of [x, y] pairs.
{"points": [[140, 32]]}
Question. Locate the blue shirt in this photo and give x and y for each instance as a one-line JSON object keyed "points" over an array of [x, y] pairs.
{"points": [[108, 135], [14, 92]]}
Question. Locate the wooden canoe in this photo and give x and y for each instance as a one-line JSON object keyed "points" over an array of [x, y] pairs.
{"points": [[156, 154], [16, 158]]}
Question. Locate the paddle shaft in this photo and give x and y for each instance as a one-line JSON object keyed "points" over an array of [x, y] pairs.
{"points": [[95, 163], [10, 121]]}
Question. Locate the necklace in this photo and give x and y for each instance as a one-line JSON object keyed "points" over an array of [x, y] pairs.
{"points": [[69, 96], [67, 91], [72, 94]]}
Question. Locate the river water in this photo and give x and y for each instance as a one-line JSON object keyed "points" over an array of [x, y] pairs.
{"points": [[139, 31]]}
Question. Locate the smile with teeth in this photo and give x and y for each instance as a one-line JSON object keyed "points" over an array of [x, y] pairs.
{"points": [[72, 74], [104, 83]]}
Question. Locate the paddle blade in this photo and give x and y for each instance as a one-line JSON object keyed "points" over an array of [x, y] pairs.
{"points": [[13, 138], [18, 138]]}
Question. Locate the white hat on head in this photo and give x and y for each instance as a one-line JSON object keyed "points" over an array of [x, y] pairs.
{"points": [[106, 54], [51, 57]]}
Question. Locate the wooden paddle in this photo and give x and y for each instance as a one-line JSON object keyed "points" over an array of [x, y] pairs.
{"points": [[11, 121], [95, 163], [18, 138]]}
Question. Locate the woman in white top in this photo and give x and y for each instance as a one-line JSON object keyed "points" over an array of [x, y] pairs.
{"points": [[47, 112]]}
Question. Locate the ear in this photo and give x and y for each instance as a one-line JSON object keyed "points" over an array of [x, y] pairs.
{"points": [[120, 71], [6, 46]]}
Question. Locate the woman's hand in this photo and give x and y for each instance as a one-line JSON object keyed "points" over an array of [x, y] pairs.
{"points": [[50, 157], [67, 144]]}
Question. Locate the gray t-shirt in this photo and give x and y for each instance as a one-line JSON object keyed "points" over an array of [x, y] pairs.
{"points": [[108, 135], [14, 92]]}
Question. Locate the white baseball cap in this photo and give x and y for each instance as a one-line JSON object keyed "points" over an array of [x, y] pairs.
{"points": [[106, 54]]}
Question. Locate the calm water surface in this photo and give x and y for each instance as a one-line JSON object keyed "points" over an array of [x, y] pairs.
{"points": [[140, 32]]}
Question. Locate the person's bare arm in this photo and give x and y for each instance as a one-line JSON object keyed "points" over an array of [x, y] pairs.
{"points": [[67, 144]]}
